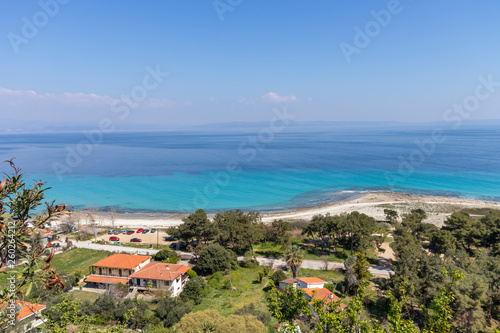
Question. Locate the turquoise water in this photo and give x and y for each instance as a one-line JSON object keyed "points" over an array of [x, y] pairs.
{"points": [[183, 171]]}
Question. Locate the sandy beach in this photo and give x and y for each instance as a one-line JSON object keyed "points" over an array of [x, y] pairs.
{"points": [[370, 203]]}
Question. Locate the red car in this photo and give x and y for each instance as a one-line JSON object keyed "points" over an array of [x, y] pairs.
{"points": [[140, 230], [114, 238], [136, 240], [130, 232]]}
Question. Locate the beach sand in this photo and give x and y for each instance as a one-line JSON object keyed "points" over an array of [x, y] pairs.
{"points": [[370, 203]]}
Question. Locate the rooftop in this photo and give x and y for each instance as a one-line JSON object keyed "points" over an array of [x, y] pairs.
{"points": [[309, 280], [26, 309], [289, 281], [118, 260], [160, 271]]}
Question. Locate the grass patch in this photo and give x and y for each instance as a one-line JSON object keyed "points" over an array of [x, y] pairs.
{"points": [[247, 291], [77, 260], [80, 295]]}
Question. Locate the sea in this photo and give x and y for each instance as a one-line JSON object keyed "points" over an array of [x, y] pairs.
{"points": [[257, 166]]}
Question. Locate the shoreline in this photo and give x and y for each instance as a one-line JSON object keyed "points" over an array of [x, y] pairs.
{"points": [[370, 203]]}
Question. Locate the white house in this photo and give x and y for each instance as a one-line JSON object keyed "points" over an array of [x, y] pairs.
{"points": [[161, 276], [116, 268], [310, 283]]}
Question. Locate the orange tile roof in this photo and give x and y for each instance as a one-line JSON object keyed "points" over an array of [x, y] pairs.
{"points": [[118, 260], [160, 271], [106, 279], [26, 308], [309, 280], [321, 293]]}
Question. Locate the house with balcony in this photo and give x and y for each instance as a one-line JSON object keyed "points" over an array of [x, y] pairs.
{"points": [[115, 269], [159, 275]]}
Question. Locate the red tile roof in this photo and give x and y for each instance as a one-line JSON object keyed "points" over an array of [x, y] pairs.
{"points": [[160, 271], [118, 260], [25, 308], [106, 279], [309, 280]]}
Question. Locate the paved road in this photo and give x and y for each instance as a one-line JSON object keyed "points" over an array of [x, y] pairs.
{"points": [[276, 263]]}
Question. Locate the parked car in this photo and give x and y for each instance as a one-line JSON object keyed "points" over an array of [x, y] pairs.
{"points": [[183, 245], [130, 232], [114, 238], [153, 230], [145, 231], [117, 232], [169, 239], [136, 240], [173, 245], [140, 230], [125, 232], [110, 232]]}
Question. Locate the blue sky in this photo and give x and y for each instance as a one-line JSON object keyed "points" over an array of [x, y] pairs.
{"points": [[264, 54]]}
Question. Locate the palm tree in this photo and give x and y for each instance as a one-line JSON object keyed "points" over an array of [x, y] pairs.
{"points": [[294, 259]]}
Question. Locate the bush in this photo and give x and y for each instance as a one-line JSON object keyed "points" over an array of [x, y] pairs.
{"points": [[194, 290], [278, 276], [252, 263], [198, 322], [330, 286], [267, 270], [167, 256], [214, 258], [249, 309], [171, 310], [192, 273]]}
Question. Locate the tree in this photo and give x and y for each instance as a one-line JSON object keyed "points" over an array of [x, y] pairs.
{"points": [[468, 232], [194, 290], [214, 258], [278, 276], [238, 230], [278, 232], [391, 215], [171, 310], [359, 230], [288, 305], [294, 259], [18, 201], [166, 256]]}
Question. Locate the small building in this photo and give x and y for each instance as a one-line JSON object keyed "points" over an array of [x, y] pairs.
{"points": [[115, 269], [27, 315], [287, 283], [310, 282], [161, 276]]}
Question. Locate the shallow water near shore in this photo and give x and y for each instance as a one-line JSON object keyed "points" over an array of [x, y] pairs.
{"points": [[301, 167]]}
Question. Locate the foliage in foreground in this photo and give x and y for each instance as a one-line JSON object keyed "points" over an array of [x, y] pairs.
{"points": [[290, 306]]}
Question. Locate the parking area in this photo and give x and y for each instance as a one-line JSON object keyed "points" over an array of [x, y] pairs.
{"points": [[147, 238]]}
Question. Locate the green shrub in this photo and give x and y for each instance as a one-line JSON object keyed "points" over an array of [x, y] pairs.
{"points": [[214, 258], [267, 270], [252, 263], [192, 273], [278, 276], [167, 256]]}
